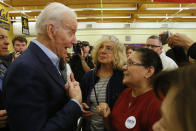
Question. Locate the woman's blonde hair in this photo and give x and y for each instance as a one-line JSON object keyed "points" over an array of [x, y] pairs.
{"points": [[119, 51]]}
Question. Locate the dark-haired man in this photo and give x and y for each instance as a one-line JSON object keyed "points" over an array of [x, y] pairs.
{"points": [[81, 62], [19, 45]]}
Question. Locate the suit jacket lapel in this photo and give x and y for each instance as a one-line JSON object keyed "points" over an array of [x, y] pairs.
{"points": [[47, 64]]}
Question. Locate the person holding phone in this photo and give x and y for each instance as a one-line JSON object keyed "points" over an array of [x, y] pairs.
{"points": [[186, 42], [176, 53], [81, 62], [19, 43], [154, 43]]}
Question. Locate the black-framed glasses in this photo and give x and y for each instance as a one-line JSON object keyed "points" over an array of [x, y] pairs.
{"points": [[152, 46], [130, 63]]}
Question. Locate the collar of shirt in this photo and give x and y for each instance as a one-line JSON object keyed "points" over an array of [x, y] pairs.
{"points": [[162, 53], [52, 56]]}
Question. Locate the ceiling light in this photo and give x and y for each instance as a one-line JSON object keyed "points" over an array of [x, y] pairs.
{"points": [[32, 19], [166, 17], [106, 17], [79, 9], [15, 20], [172, 8], [159, 17], [84, 9], [24, 11]]}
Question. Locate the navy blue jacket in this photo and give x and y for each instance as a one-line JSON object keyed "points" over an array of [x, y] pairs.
{"points": [[3, 64], [113, 89], [35, 95]]}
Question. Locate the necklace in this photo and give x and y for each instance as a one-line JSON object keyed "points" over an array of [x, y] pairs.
{"points": [[100, 89]]}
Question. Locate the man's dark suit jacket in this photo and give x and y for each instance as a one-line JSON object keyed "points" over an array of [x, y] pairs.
{"points": [[2, 108], [2, 101], [35, 95]]}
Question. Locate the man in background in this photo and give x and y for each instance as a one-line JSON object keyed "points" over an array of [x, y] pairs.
{"points": [[3, 67], [81, 61], [19, 45], [37, 97], [154, 43]]}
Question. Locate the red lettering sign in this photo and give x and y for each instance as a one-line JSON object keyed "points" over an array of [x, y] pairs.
{"points": [[177, 1]]}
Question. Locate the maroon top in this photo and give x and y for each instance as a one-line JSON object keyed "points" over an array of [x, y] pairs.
{"points": [[142, 111]]}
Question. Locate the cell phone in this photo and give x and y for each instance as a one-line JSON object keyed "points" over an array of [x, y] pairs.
{"points": [[164, 37], [20, 52]]}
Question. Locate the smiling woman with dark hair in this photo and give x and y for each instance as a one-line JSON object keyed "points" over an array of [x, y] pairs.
{"points": [[137, 107]]}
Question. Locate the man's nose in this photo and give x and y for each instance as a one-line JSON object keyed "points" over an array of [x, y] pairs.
{"points": [[6, 42]]}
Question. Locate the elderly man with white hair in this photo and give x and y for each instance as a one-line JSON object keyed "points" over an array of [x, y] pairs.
{"points": [[37, 96]]}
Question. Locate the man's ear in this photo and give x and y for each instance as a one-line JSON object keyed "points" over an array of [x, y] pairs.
{"points": [[50, 31], [150, 71]]}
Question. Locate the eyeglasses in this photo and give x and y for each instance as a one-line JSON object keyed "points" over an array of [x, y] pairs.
{"points": [[130, 63], [3, 37], [108, 49], [152, 46]]}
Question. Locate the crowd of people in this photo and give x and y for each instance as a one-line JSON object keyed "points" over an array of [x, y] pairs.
{"points": [[112, 88]]}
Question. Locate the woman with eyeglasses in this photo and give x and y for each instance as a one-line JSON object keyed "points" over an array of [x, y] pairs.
{"points": [[104, 83], [137, 108]]}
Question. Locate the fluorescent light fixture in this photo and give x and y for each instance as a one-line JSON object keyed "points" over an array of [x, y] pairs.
{"points": [[19, 20], [185, 17], [79, 9], [32, 19], [24, 11], [166, 17], [158, 17], [15, 20], [85, 9], [172, 8], [105, 17]]}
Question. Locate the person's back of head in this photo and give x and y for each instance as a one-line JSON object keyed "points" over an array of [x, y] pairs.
{"points": [[150, 58], [192, 54], [178, 54], [179, 106]]}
